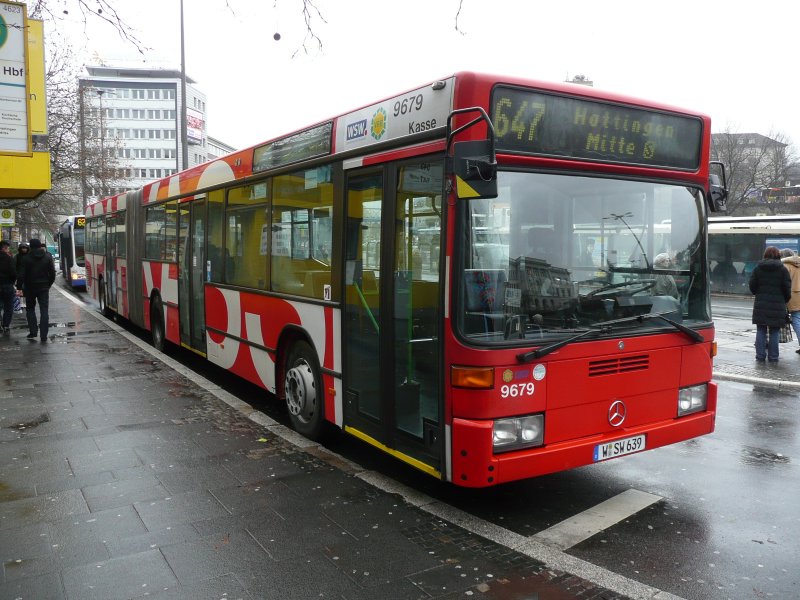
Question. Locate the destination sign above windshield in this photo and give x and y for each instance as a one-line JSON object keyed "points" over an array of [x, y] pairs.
{"points": [[531, 122]]}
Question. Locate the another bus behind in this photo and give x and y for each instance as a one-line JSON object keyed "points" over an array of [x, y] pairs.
{"points": [[72, 260]]}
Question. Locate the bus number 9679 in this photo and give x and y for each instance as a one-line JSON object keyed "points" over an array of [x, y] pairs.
{"points": [[516, 390], [408, 105]]}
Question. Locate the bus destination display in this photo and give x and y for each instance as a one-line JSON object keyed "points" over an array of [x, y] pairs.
{"points": [[529, 122]]}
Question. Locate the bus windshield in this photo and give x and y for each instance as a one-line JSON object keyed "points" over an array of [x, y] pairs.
{"points": [[80, 237], [555, 255]]}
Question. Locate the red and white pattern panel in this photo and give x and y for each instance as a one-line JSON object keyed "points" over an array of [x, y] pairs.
{"points": [[260, 320], [162, 277]]}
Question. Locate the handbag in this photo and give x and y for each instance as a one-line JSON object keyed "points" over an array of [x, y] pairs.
{"points": [[786, 334]]}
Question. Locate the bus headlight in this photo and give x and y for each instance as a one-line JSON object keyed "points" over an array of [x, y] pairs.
{"points": [[692, 399], [518, 432]]}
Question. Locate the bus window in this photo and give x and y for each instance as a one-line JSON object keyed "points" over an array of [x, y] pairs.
{"points": [[322, 228], [79, 241], [302, 233], [169, 241], [216, 220], [155, 217], [246, 236]]}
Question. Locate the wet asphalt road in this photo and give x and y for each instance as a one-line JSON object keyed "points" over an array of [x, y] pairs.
{"points": [[726, 524]]}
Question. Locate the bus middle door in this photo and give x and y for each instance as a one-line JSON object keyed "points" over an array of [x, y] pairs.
{"points": [[192, 274]]}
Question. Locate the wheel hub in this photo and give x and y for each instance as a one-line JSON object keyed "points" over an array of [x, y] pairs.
{"points": [[301, 395]]}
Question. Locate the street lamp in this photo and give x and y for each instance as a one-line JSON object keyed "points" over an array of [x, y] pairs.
{"points": [[184, 127], [102, 146]]}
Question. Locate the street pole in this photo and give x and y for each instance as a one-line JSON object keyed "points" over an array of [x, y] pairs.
{"points": [[184, 128], [84, 187], [102, 193]]}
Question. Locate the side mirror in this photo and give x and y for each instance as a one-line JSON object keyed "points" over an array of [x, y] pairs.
{"points": [[717, 189], [475, 169]]}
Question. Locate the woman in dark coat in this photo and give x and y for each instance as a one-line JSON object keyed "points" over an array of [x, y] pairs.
{"points": [[772, 287]]}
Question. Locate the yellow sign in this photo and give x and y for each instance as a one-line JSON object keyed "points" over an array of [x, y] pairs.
{"points": [[36, 90], [23, 105], [24, 176]]}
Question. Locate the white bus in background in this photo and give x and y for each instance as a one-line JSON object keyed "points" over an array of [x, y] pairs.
{"points": [[72, 261], [736, 244]]}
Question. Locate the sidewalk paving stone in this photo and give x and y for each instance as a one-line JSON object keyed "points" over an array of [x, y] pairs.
{"points": [[119, 578]]}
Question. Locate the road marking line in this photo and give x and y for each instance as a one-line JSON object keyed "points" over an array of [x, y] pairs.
{"points": [[594, 520]]}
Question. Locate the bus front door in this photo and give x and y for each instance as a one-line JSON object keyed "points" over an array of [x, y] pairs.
{"points": [[392, 353]]}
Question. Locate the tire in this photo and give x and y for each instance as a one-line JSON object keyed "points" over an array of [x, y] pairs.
{"points": [[101, 298], [305, 399], [157, 330]]}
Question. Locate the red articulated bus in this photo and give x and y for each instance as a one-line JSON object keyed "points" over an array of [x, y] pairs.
{"points": [[489, 278]]}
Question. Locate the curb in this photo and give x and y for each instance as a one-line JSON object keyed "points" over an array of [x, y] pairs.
{"points": [[778, 384]]}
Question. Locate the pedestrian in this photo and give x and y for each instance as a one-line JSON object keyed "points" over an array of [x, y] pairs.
{"points": [[791, 261], [664, 282], [8, 275], [22, 252], [586, 257], [37, 274], [772, 287]]}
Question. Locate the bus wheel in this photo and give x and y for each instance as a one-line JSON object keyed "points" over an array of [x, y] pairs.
{"points": [[101, 298], [303, 390], [157, 324]]}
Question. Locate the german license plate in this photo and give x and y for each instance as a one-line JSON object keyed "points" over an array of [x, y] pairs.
{"points": [[619, 448]]}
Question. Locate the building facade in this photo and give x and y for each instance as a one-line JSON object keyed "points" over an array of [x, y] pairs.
{"points": [[135, 116], [217, 148]]}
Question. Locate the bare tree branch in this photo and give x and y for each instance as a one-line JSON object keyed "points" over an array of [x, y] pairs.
{"points": [[309, 12], [458, 14], [102, 10], [754, 164]]}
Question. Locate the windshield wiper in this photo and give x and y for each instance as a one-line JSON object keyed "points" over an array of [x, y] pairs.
{"points": [[545, 350], [690, 333], [606, 328]]}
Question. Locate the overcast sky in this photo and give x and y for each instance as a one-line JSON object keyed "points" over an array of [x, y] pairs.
{"points": [[733, 60]]}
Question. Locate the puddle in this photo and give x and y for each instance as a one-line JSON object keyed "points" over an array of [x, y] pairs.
{"points": [[77, 333], [760, 456], [43, 418], [7, 493], [11, 564]]}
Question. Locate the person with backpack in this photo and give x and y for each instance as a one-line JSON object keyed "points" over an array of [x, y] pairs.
{"points": [[37, 274]]}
